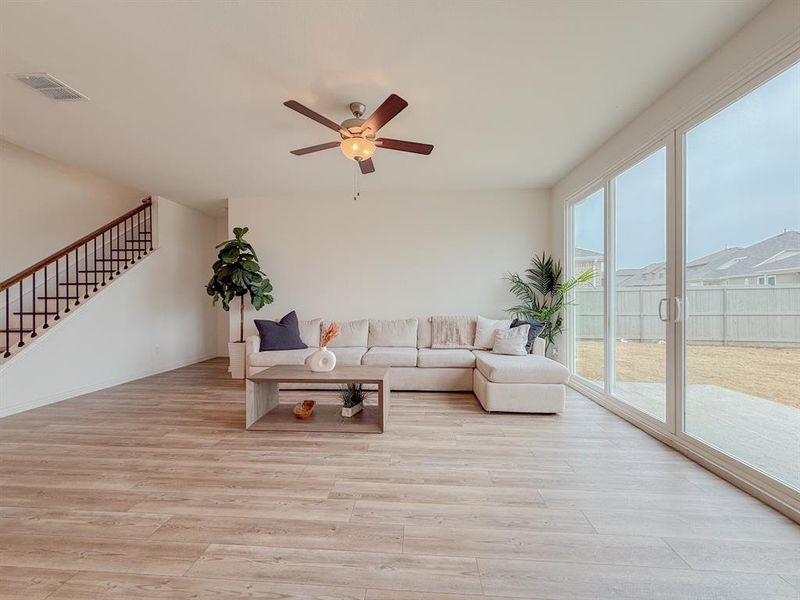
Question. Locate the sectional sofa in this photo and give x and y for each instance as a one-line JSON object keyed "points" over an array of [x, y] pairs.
{"points": [[529, 384]]}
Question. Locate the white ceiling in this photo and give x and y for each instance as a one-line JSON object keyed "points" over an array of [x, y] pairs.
{"points": [[186, 98]]}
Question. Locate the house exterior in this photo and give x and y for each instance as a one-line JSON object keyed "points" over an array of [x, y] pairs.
{"points": [[774, 261]]}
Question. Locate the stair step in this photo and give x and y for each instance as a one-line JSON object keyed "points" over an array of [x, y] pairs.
{"points": [[97, 270], [59, 297], [16, 330], [81, 283], [111, 260], [134, 240], [38, 312], [130, 250]]}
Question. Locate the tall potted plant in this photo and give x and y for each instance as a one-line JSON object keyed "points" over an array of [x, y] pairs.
{"points": [[543, 295], [236, 273]]}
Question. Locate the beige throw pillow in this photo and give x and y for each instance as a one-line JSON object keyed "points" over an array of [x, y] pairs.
{"points": [[511, 341], [485, 330]]}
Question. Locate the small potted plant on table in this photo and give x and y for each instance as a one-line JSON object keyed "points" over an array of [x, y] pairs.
{"points": [[353, 397]]}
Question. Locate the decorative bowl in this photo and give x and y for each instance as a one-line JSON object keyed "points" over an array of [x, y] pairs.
{"points": [[303, 410]]}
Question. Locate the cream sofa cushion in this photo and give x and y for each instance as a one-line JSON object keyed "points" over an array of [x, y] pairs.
{"points": [[530, 368], [511, 341], [353, 334], [310, 332], [348, 357], [445, 357], [271, 358], [424, 332], [484, 331], [393, 333], [390, 356]]}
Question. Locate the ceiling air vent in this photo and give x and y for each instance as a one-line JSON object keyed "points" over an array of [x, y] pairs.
{"points": [[50, 86]]}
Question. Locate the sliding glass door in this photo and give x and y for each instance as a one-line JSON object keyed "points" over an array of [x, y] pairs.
{"points": [[640, 302], [692, 324], [741, 342], [589, 254]]}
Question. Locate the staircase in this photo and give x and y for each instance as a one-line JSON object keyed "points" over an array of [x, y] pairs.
{"points": [[36, 299]]}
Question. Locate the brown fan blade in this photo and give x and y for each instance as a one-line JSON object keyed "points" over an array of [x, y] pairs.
{"points": [[317, 148], [367, 166], [384, 113], [404, 146], [304, 110]]}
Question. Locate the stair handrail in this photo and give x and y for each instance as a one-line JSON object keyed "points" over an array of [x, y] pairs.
{"points": [[74, 245]]}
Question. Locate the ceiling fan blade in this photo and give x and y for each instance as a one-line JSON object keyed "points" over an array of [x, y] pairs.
{"points": [[404, 146], [385, 113], [366, 166], [304, 110], [317, 148]]}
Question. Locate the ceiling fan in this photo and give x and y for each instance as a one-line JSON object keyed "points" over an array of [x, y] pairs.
{"points": [[358, 141]]}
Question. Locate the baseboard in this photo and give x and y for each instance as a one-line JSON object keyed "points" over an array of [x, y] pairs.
{"points": [[773, 498], [97, 386]]}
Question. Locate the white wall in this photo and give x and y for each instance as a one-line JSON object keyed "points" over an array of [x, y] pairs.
{"points": [[46, 205], [154, 318], [392, 256], [773, 33]]}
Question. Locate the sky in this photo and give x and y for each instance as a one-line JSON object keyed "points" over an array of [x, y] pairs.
{"points": [[742, 182]]}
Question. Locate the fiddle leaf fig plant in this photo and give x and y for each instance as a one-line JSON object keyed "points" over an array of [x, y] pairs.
{"points": [[236, 273]]}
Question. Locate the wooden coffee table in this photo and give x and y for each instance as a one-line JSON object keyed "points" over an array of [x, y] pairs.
{"points": [[264, 411]]}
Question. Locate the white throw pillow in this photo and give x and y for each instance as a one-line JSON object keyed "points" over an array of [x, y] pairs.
{"points": [[485, 330], [511, 341]]}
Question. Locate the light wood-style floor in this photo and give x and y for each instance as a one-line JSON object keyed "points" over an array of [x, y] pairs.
{"points": [[153, 490]]}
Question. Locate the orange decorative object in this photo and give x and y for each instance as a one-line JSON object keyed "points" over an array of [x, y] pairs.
{"points": [[330, 332], [303, 410]]}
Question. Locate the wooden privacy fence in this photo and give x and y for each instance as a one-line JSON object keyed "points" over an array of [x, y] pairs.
{"points": [[725, 315]]}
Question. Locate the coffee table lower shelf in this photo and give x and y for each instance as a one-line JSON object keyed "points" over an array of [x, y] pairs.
{"points": [[265, 412], [325, 418]]}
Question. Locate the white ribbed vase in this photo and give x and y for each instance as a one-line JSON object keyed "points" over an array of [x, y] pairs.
{"points": [[322, 360]]}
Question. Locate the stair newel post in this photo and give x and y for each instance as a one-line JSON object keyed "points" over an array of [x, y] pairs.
{"points": [[46, 305], [66, 284], [7, 352], [58, 302]]}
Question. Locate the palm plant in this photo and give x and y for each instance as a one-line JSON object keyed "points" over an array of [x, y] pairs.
{"points": [[543, 296], [237, 273]]}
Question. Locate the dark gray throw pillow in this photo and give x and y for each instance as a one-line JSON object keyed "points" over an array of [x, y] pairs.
{"points": [[537, 327], [280, 335]]}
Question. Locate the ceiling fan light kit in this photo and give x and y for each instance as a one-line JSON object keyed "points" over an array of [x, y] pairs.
{"points": [[358, 141]]}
